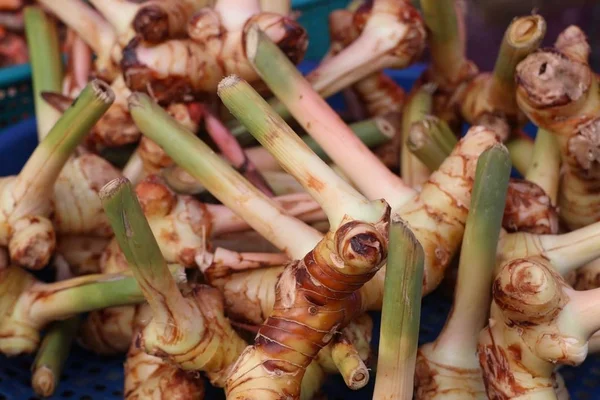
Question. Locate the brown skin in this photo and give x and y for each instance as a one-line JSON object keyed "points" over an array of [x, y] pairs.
{"points": [[109, 331], [558, 92], [313, 301], [147, 376], [81, 253], [116, 128], [160, 20], [481, 105], [445, 104], [492, 95], [529, 209], [77, 207], [414, 43], [212, 54], [529, 333], [249, 295]]}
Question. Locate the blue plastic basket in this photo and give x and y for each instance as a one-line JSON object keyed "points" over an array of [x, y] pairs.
{"points": [[16, 98], [91, 377]]}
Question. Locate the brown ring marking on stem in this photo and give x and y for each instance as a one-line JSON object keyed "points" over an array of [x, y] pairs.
{"points": [[497, 374], [533, 293]]}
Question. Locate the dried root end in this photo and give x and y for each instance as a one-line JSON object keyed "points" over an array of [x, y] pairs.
{"points": [[103, 91], [33, 242], [573, 43], [550, 79], [43, 381]]}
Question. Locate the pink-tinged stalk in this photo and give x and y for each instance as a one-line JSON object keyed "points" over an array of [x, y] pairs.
{"points": [[322, 123], [298, 205], [223, 262], [79, 66], [337, 197], [233, 152], [90, 26]]}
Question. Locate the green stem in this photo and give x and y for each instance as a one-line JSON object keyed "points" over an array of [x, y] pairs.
{"points": [[478, 254], [87, 293], [141, 250], [321, 122], [241, 133], [46, 64], [52, 354], [418, 107], [522, 37], [372, 132], [544, 169], [36, 179], [336, 196], [400, 314], [431, 140], [219, 178], [446, 46], [520, 150]]}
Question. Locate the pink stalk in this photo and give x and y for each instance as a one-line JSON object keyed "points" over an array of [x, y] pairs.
{"points": [[79, 65], [233, 152], [224, 262], [89, 25], [299, 205], [323, 124]]}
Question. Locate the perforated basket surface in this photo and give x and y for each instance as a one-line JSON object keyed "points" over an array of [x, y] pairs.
{"points": [[16, 98], [90, 377]]}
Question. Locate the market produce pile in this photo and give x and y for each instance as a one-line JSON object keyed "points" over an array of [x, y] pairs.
{"points": [[207, 214], [13, 48]]}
